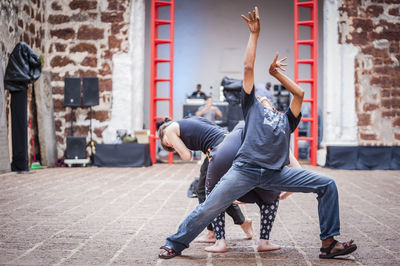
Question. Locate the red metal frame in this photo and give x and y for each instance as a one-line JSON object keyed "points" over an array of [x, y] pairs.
{"points": [[154, 60], [313, 62], [313, 80]]}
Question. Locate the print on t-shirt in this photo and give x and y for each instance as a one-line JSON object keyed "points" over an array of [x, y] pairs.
{"points": [[275, 120]]}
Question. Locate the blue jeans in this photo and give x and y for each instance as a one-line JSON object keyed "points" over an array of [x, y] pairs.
{"points": [[241, 178]]}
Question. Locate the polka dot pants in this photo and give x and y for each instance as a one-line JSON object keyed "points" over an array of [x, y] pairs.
{"points": [[267, 215], [219, 226], [267, 218]]}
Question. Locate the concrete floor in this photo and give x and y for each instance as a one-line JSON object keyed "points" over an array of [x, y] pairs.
{"points": [[82, 216]]}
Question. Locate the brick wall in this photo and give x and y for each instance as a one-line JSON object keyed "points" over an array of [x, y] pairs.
{"points": [[20, 20], [374, 27], [76, 38], [82, 37]]}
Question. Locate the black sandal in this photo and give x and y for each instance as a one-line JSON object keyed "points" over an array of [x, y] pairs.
{"points": [[170, 253], [348, 248]]}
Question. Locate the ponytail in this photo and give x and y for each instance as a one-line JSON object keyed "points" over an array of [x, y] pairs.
{"points": [[165, 120]]}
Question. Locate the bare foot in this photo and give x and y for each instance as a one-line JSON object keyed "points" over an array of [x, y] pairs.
{"points": [[209, 237], [247, 227], [266, 245], [218, 247]]}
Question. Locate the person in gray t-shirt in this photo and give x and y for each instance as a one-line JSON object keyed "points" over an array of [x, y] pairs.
{"points": [[209, 111], [260, 163]]}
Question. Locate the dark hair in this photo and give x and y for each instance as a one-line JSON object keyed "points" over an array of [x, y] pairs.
{"points": [[165, 123], [199, 85]]}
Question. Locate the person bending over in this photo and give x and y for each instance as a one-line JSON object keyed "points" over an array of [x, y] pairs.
{"points": [[198, 134]]}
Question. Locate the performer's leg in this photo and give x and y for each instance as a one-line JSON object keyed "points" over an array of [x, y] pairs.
{"points": [[267, 217], [301, 180], [238, 218], [221, 160], [236, 213], [216, 170], [209, 237], [201, 190], [237, 182], [218, 224], [219, 231]]}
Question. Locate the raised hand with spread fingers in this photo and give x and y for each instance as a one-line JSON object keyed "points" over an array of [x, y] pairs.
{"points": [[253, 21], [277, 64]]}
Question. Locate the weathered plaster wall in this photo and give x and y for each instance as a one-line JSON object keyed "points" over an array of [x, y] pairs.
{"points": [[339, 112], [128, 78], [21, 20], [373, 26]]}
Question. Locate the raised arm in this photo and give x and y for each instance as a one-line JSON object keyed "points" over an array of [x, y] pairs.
{"points": [[298, 93], [253, 21]]}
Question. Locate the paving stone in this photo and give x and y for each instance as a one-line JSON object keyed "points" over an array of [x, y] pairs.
{"points": [[120, 216]]}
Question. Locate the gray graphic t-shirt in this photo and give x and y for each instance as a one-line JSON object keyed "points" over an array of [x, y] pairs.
{"points": [[266, 136]]}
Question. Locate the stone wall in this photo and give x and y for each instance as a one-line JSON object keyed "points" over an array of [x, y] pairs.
{"points": [[76, 38], [373, 26], [24, 20], [20, 20], [82, 37]]}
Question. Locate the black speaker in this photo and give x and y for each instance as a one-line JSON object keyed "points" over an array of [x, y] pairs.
{"points": [[90, 91], [72, 92], [76, 148]]}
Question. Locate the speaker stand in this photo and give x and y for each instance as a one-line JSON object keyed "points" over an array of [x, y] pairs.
{"points": [[91, 132], [91, 143], [72, 121], [82, 162]]}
